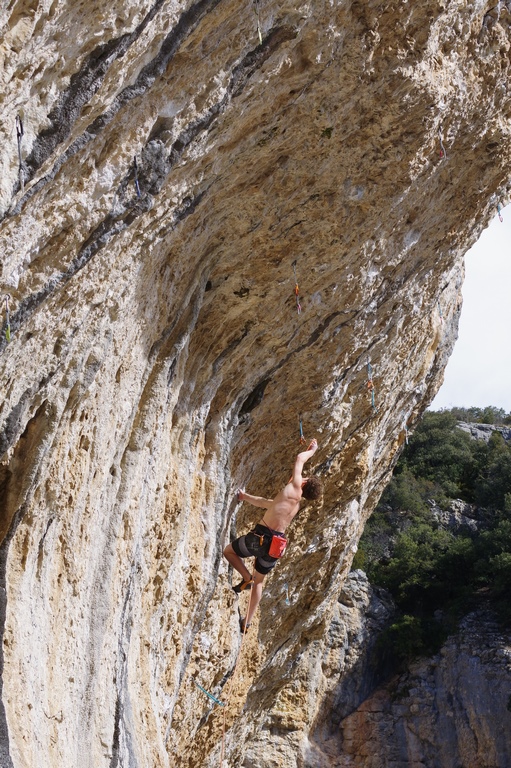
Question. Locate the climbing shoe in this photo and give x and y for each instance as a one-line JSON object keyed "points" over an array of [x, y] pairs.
{"points": [[243, 585], [243, 627]]}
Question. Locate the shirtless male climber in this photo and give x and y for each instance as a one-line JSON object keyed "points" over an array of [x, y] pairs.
{"points": [[267, 535]]}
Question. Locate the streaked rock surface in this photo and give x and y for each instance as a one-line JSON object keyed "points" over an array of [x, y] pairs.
{"points": [[157, 360]]}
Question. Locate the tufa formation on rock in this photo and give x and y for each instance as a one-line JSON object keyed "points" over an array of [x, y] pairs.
{"points": [[163, 166]]}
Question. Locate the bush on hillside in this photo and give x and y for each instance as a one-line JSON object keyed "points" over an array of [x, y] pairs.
{"points": [[488, 415], [432, 572]]}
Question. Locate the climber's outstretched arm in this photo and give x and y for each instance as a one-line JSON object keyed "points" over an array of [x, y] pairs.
{"points": [[256, 501], [300, 461]]}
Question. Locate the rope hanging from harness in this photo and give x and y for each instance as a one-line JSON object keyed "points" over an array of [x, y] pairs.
{"points": [[137, 186], [501, 218], [256, 11], [370, 384], [297, 290], [443, 153], [19, 135], [8, 319]]}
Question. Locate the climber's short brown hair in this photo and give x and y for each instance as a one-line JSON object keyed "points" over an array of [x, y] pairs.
{"points": [[313, 488]]}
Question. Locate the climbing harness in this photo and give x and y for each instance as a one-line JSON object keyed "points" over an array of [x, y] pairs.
{"points": [[370, 384], [501, 218], [443, 153], [256, 11], [297, 290], [302, 437], [7, 317], [19, 135], [137, 186]]}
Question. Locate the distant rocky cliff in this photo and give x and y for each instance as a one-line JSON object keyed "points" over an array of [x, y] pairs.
{"points": [[485, 431], [164, 164], [452, 709]]}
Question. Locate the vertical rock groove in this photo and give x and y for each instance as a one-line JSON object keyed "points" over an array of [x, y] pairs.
{"points": [[158, 360]]}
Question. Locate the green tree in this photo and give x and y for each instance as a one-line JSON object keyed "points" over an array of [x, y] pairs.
{"points": [[425, 567], [405, 492], [494, 480], [443, 454]]}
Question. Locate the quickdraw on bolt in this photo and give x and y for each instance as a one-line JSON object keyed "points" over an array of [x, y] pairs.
{"points": [[256, 11], [443, 153], [370, 384], [302, 437], [297, 290], [137, 186], [8, 320], [19, 135], [209, 695], [501, 218]]}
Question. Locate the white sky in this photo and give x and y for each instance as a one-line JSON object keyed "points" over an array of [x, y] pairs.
{"points": [[479, 371]]}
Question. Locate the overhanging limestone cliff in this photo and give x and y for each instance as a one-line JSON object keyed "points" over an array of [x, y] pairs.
{"points": [[157, 360]]}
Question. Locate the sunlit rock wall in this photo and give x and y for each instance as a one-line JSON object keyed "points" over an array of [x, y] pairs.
{"points": [[157, 359]]}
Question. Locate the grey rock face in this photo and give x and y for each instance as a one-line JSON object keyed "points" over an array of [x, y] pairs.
{"points": [[484, 431], [447, 711], [363, 613], [459, 515]]}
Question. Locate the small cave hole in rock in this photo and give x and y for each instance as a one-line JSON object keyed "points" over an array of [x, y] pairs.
{"points": [[255, 397]]}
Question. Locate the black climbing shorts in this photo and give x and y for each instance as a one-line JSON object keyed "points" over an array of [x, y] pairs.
{"points": [[250, 546]]}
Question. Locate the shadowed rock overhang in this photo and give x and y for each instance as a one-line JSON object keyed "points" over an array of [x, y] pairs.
{"points": [[176, 159]]}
